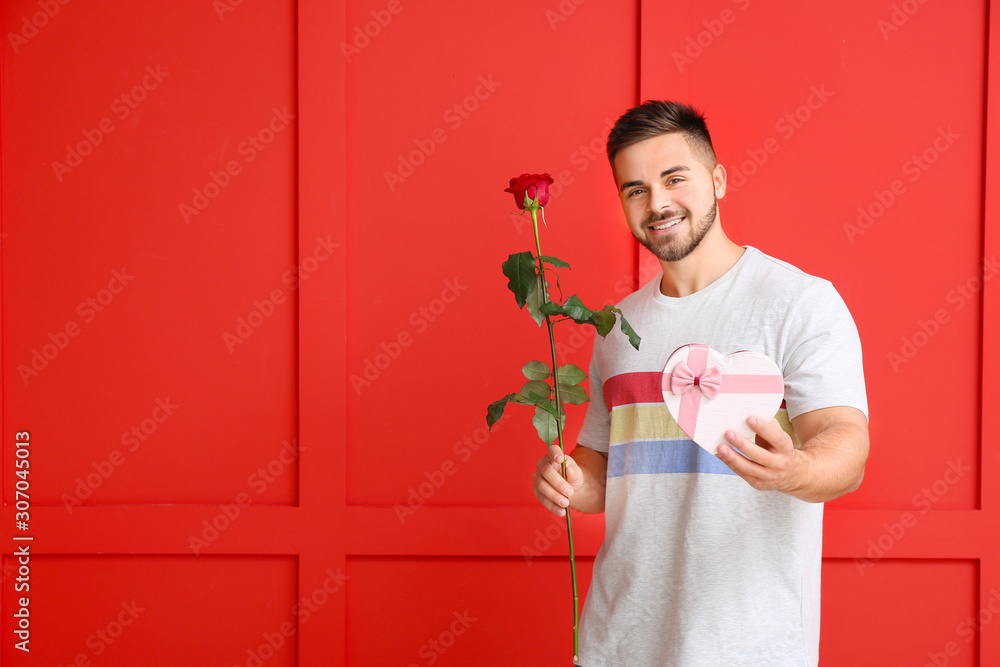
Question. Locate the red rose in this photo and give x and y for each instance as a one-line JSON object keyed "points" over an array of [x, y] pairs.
{"points": [[531, 191]]}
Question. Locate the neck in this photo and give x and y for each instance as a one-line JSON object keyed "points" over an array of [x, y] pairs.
{"points": [[715, 255]]}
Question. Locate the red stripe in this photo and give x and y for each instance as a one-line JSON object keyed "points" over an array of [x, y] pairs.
{"points": [[644, 387], [630, 388]]}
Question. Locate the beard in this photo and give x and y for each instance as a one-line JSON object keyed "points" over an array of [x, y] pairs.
{"points": [[676, 249]]}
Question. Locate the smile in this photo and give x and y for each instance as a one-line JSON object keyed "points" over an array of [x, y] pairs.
{"points": [[668, 224]]}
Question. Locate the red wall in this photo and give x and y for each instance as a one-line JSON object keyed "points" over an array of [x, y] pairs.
{"points": [[253, 311]]}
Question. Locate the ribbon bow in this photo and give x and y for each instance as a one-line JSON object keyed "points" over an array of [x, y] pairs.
{"points": [[683, 379]]}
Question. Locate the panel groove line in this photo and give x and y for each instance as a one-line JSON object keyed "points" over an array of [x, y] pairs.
{"points": [[321, 526], [989, 584]]}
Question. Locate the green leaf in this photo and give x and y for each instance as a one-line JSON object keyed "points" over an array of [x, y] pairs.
{"points": [[570, 374], [537, 370], [550, 308], [575, 309], [535, 301], [535, 390], [550, 407], [495, 410], [522, 276], [545, 424], [522, 400], [603, 320], [627, 329], [574, 395], [555, 261]]}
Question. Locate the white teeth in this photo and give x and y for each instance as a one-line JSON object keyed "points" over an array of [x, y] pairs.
{"points": [[667, 224]]}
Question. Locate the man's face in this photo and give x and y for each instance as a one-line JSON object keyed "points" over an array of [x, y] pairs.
{"points": [[668, 195]]}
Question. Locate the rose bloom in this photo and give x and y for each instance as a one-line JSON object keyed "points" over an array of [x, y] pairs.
{"points": [[527, 186]]}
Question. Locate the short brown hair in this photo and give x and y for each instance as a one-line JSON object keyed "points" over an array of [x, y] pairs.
{"points": [[656, 117]]}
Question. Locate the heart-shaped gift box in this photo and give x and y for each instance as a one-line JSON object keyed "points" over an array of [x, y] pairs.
{"points": [[709, 393]]}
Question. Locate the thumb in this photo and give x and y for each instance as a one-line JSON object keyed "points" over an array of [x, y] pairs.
{"points": [[574, 474]]}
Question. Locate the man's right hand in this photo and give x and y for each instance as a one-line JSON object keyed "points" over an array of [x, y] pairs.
{"points": [[551, 489]]}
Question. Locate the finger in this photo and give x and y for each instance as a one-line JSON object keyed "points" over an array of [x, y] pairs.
{"points": [[770, 431], [751, 450], [551, 499], [744, 467], [553, 475], [557, 457], [554, 459]]}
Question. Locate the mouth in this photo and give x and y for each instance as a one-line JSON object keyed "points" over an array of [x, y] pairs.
{"points": [[667, 224]]}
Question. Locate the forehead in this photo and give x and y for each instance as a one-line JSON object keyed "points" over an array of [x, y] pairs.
{"points": [[644, 160]]}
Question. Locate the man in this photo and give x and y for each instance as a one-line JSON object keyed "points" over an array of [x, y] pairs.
{"points": [[708, 561]]}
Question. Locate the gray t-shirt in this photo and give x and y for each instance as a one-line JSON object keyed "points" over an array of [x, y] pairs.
{"points": [[698, 568]]}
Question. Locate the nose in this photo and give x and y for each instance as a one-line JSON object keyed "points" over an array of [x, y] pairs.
{"points": [[659, 200]]}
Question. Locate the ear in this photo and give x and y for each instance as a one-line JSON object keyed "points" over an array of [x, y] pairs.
{"points": [[719, 180]]}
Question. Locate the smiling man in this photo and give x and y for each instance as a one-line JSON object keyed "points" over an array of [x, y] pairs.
{"points": [[708, 561]]}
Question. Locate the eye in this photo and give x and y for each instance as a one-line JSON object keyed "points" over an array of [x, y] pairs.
{"points": [[675, 179], [633, 193]]}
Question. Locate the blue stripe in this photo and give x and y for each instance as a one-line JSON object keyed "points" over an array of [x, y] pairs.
{"points": [[649, 457]]}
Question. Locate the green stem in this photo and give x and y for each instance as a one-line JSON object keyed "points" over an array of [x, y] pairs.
{"points": [[559, 433]]}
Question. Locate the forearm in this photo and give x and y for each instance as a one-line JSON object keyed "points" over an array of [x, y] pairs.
{"points": [[832, 463], [589, 498]]}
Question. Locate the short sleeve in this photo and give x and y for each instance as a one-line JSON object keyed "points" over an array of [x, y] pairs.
{"points": [[823, 365], [596, 430]]}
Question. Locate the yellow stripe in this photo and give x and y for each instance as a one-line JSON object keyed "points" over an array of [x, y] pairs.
{"points": [[654, 422], [643, 422]]}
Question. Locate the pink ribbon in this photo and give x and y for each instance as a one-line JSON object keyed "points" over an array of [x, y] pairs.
{"points": [[692, 379], [683, 379]]}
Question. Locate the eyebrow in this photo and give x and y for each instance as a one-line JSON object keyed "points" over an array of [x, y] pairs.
{"points": [[663, 174]]}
